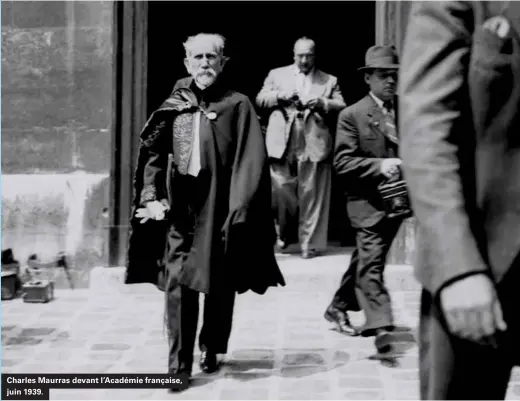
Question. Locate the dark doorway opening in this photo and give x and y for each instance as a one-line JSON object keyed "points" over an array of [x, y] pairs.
{"points": [[260, 36]]}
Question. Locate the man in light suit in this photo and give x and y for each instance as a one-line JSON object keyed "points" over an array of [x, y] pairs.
{"points": [[303, 103], [460, 145], [366, 155]]}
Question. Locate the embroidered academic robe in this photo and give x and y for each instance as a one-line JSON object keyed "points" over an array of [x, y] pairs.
{"points": [[233, 232]]}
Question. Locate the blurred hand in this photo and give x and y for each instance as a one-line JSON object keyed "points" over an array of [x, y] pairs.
{"points": [[316, 103], [390, 167], [287, 96], [154, 210], [472, 309]]}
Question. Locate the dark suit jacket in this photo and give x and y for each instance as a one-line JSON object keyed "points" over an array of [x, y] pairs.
{"points": [[460, 139], [361, 145]]}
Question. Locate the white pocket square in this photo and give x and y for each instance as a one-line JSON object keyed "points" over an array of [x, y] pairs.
{"points": [[498, 25]]}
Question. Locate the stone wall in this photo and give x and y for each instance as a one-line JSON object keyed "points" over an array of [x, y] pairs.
{"points": [[56, 86], [57, 73]]}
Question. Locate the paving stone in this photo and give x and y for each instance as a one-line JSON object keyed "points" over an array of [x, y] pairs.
{"points": [[37, 331], [253, 354], [305, 396], [251, 365], [304, 336], [23, 341], [105, 356], [78, 334], [71, 344], [8, 363], [248, 376], [99, 367], [360, 382], [408, 363], [357, 368], [54, 356], [129, 330], [303, 358], [252, 394], [39, 367], [281, 346], [302, 371], [310, 385], [407, 392], [129, 394], [363, 395], [155, 342], [75, 394], [110, 347]]}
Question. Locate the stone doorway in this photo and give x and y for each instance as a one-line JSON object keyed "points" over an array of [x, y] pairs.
{"points": [[260, 37]]}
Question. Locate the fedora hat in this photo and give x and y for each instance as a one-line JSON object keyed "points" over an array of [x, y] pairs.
{"points": [[384, 57]]}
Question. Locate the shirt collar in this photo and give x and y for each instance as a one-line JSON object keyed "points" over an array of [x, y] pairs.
{"points": [[378, 101], [309, 74]]}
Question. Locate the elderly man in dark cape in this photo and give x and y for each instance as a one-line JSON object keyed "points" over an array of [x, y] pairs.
{"points": [[218, 232]]}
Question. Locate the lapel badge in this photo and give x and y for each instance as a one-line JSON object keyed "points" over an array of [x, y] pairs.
{"points": [[184, 106], [211, 115]]}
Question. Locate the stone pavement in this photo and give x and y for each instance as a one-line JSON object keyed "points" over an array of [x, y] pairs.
{"points": [[281, 347]]}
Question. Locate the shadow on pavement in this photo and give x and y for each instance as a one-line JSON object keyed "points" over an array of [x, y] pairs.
{"points": [[249, 364]]}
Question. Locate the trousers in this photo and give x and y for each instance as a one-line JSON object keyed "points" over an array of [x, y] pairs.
{"points": [[362, 286], [301, 194]]}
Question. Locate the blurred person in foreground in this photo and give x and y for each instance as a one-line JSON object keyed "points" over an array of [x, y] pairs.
{"points": [[203, 177], [460, 146]]}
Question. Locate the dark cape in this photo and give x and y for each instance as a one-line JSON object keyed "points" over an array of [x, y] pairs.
{"points": [[234, 236]]}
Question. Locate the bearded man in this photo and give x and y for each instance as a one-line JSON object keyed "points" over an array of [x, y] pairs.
{"points": [[203, 175]]}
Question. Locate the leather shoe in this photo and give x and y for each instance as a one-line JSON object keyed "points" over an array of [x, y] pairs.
{"points": [[309, 253], [208, 362], [181, 389], [341, 320], [383, 341]]}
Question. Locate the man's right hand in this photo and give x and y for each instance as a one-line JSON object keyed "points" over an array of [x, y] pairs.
{"points": [[286, 96], [154, 210], [390, 167], [472, 309]]}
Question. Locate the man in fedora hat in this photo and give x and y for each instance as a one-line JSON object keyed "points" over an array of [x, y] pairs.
{"points": [[366, 156]]}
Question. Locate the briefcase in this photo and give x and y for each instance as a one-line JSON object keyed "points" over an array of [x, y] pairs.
{"points": [[396, 201], [38, 291]]}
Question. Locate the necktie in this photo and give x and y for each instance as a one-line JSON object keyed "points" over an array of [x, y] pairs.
{"points": [[389, 107], [390, 121]]}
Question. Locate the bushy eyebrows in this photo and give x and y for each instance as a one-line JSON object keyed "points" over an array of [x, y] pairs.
{"points": [[207, 54]]}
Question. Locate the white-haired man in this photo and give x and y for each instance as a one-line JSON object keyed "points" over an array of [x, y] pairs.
{"points": [[203, 172], [303, 103]]}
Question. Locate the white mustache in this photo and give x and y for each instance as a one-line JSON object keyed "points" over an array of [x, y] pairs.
{"points": [[209, 73]]}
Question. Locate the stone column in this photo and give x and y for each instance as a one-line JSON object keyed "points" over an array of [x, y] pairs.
{"points": [[391, 20], [130, 47]]}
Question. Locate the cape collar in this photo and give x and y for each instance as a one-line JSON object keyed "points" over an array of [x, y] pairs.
{"points": [[190, 96]]}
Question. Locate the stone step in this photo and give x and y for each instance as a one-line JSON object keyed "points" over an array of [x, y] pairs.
{"points": [[297, 273]]}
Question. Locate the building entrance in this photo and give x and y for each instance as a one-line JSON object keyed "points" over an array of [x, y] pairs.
{"points": [[260, 36]]}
